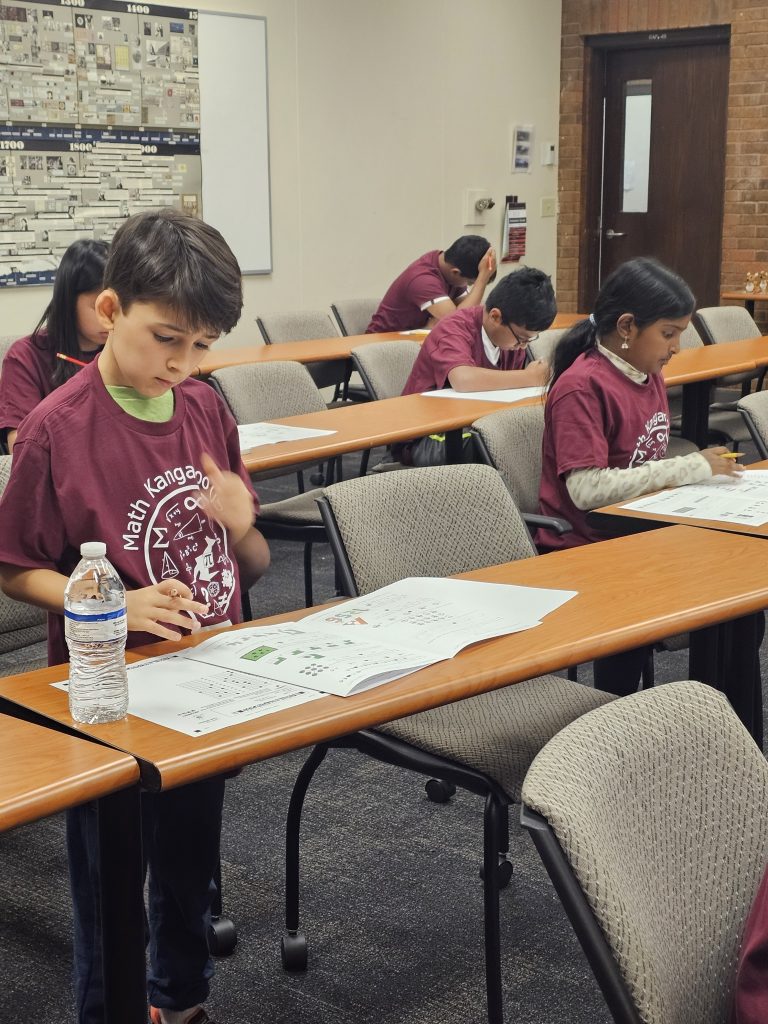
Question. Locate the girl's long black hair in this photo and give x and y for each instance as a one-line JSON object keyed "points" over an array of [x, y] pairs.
{"points": [[81, 270], [643, 287]]}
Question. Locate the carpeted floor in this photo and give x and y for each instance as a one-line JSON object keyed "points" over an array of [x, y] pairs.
{"points": [[391, 899]]}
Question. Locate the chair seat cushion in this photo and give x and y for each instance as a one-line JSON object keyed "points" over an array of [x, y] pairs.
{"points": [[499, 733], [300, 509]]}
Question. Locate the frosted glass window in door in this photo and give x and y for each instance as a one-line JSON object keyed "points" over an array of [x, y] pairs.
{"points": [[637, 146]]}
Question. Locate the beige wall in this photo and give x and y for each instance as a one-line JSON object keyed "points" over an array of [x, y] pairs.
{"points": [[381, 114]]}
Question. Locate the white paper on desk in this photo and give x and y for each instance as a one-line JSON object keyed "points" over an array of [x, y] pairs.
{"points": [[254, 435], [502, 395], [724, 499], [439, 616], [386, 634], [195, 699]]}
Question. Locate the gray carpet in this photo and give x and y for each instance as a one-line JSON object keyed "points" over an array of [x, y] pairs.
{"points": [[391, 899]]}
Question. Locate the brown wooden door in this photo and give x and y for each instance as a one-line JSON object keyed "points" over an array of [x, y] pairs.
{"points": [[680, 221]]}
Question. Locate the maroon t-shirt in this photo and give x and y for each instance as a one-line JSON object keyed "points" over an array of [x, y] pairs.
{"points": [[595, 416], [419, 284], [25, 378], [85, 470], [456, 340], [750, 1003]]}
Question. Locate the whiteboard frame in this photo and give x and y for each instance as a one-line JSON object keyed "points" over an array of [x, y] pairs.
{"points": [[249, 260]]}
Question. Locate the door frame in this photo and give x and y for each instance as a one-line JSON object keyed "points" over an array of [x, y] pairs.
{"points": [[596, 50]]}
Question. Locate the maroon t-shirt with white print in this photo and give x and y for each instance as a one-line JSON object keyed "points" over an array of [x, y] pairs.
{"points": [[595, 416], [420, 284], [83, 469]]}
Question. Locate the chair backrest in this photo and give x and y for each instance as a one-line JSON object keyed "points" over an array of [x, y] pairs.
{"points": [[718, 324], [385, 366], [354, 315], [754, 409], [433, 521], [6, 341], [690, 338], [657, 802], [510, 440], [20, 624], [305, 325], [544, 346], [268, 391]]}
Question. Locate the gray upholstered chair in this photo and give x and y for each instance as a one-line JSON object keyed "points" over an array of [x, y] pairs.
{"points": [[6, 340], [21, 625], [510, 441], [649, 815], [307, 325], [384, 366], [754, 410], [263, 391], [718, 325], [436, 522], [354, 315], [544, 346]]}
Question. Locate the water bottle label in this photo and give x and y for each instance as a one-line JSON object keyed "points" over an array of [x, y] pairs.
{"points": [[95, 628]]}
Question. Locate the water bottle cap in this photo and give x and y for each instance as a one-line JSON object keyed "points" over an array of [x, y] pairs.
{"points": [[93, 549]]}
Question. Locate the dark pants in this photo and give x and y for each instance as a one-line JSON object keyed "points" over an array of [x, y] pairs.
{"points": [[181, 832]]}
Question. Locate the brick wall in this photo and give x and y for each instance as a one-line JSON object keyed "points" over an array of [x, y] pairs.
{"points": [[745, 215]]}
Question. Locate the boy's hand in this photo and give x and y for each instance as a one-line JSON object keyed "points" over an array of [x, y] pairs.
{"points": [[486, 268], [228, 501], [167, 602], [537, 372]]}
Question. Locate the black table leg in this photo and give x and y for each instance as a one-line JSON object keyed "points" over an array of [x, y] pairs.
{"points": [[122, 908], [695, 414]]}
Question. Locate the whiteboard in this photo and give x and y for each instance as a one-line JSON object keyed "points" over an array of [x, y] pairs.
{"points": [[234, 134]]}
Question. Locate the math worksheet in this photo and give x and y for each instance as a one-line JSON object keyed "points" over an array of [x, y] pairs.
{"points": [[502, 395], [724, 499], [244, 674], [253, 435]]}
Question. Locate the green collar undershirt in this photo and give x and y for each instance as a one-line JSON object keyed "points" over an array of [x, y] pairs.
{"points": [[152, 410]]}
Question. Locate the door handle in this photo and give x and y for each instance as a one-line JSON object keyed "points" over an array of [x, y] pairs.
{"points": [[610, 233]]}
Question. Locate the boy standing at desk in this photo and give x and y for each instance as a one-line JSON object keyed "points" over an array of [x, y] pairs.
{"points": [[436, 285], [484, 348], [133, 453]]}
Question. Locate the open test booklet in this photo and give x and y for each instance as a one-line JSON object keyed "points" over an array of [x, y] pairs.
{"points": [[243, 674]]}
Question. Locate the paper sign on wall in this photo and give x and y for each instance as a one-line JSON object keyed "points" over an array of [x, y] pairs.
{"points": [[515, 223]]}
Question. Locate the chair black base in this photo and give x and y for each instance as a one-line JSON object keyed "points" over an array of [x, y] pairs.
{"points": [[496, 870]]}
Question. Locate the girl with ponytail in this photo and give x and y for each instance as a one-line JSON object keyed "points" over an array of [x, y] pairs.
{"points": [[607, 417]]}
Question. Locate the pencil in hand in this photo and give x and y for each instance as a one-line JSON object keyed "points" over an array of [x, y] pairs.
{"points": [[731, 455], [70, 359]]}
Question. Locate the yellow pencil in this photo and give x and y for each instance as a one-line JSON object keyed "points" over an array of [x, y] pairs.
{"points": [[732, 455]]}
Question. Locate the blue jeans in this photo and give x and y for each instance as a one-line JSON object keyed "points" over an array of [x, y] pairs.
{"points": [[181, 832]]}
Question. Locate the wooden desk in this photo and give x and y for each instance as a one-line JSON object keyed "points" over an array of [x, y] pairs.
{"points": [[617, 519], [748, 298], [696, 368], [43, 771], [321, 350], [369, 424], [632, 591]]}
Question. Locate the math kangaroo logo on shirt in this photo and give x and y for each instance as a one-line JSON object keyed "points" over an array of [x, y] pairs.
{"points": [[652, 444], [179, 541]]}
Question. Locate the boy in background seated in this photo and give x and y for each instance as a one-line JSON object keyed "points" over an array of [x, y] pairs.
{"points": [[483, 349], [131, 452], [436, 285]]}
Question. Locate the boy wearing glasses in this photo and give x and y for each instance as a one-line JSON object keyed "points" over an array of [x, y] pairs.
{"points": [[483, 349]]}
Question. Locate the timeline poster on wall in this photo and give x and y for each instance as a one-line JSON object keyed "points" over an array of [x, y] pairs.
{"points": [[99, 119]]}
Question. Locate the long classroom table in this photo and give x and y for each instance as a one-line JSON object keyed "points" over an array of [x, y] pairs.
{"points": [[43, 771], [321, 350], [696, 368], [618, 519], [362, 425], [612, 612]]}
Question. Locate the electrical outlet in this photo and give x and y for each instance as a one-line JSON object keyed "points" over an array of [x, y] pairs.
{"points": [[549, 206]]}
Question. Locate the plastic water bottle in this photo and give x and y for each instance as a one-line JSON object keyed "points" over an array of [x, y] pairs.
{"points": [[95, 627]]}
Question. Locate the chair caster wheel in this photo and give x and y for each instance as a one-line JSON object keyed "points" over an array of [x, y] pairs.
{"points": [[222, 936], [503, 872], [439, 791], [293, 951]]}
